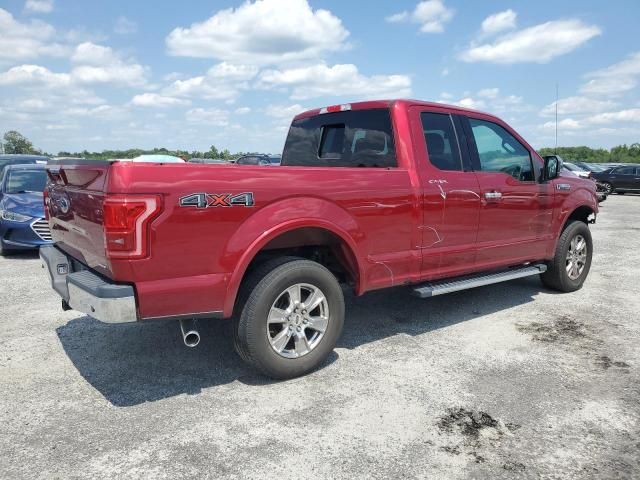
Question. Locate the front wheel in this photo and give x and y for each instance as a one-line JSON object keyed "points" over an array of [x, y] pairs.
{"points": [[570, 266], [291, 319], [607, 187]]}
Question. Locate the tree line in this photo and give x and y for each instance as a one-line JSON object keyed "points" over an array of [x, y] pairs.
{"points": [[14, 142], [620, 154]]}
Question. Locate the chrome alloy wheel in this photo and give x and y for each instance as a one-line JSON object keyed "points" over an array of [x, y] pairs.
{"points": [[576, 257], [297, 320]]}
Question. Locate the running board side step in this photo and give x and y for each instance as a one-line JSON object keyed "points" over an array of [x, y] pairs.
{"points": [[447, 286]]}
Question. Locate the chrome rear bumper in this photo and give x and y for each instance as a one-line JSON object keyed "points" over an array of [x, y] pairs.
{"points": [[88, 293]]}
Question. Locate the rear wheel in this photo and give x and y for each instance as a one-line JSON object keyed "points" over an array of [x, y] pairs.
{"points": [[291, 318], [607, 187], [570, 266]]}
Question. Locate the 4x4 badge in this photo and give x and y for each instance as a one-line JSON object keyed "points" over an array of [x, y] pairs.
{"points": [[210, 200]]}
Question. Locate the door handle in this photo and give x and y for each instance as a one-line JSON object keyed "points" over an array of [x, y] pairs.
{"points": [[493, 195]]}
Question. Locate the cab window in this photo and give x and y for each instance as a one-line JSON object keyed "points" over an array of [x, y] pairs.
{"points": [[361, 138], [499, 151], [442, 142]]}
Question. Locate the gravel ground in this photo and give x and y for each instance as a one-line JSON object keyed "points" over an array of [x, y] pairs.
{"points": [[504, 381]]}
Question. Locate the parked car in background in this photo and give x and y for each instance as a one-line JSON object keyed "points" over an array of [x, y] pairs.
{"points": [[253, 160], [13, 159], [577, 170], [620, 179], [591, 167], [22, 222], [155, 159], [213, 161], [275, 160]]}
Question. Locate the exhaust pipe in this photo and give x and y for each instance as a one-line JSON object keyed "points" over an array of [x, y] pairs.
{"points": [[190, 334]]}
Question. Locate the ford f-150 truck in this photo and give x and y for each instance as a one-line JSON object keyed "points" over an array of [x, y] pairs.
{"points": [[370, 195]]}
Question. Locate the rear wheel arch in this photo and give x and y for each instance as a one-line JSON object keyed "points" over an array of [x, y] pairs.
{"points": [[322, 242]]}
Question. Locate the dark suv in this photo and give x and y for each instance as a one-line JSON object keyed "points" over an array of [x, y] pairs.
{"points": [[620, 179], [15, 159]]}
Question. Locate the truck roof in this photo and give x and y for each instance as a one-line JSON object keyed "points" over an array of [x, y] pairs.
{"points": [[369, 104]]}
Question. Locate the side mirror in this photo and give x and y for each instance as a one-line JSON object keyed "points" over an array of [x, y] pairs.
{"points": [[552, 167]]}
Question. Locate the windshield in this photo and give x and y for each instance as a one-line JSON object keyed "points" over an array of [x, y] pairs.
{"points": [[26, 180], [597, 168], [572, 167]]}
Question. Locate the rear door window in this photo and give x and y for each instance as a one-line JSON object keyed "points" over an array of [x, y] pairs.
{"points": [[626, 171], [360, 138], [443, 146]]}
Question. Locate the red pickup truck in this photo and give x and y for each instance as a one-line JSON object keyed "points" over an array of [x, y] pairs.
{"points": [[369, 195]]}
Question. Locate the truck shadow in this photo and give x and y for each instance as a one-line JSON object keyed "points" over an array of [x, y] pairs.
{"points": [[130, 364]]}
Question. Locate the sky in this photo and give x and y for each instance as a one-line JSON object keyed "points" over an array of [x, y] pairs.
{"points": [[118, 74]]}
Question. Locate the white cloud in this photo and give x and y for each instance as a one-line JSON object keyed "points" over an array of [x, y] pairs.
{"points": [[34, 75], [432, 15], [469, 102], [99, 64], [499, 22], [619, 117], [156, 100], [489, 93], [214, 117], [629, 115], [565, 124], [398, 17], [261, 32], [242, 110], [540, 43], [125, 26], [101, 111], [322, 80], [38, 6], [24, 41], [615, 79], [223, 81], [488, 99], [577, 105], [285, 111]]}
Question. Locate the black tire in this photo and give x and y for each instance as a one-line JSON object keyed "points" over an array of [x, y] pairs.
{"points": [[556, 276], [261, 289], [608, 188]]}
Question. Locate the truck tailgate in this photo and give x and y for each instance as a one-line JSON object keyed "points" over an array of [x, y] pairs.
{"points": [[75, 203]]}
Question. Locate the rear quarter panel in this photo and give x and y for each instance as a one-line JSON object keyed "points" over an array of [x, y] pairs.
{"points": [[198, 256]]}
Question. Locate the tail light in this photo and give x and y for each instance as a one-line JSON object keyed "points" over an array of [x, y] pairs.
{"points": [[45, 199], [126, 220]]}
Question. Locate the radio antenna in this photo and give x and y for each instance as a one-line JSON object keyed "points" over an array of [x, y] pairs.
{"points": [[556, 118]]}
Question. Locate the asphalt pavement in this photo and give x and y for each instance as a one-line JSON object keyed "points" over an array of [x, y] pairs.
{"points": [[504, 381]]}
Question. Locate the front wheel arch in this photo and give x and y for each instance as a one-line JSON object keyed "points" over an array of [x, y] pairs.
{"points": [[582, 213]]}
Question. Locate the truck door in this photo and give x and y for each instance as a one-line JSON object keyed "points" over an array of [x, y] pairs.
{"points": [[450, 193], [516, 209]]}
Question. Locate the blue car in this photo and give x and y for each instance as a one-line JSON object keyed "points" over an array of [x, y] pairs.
{"points": [[22, 223]]}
